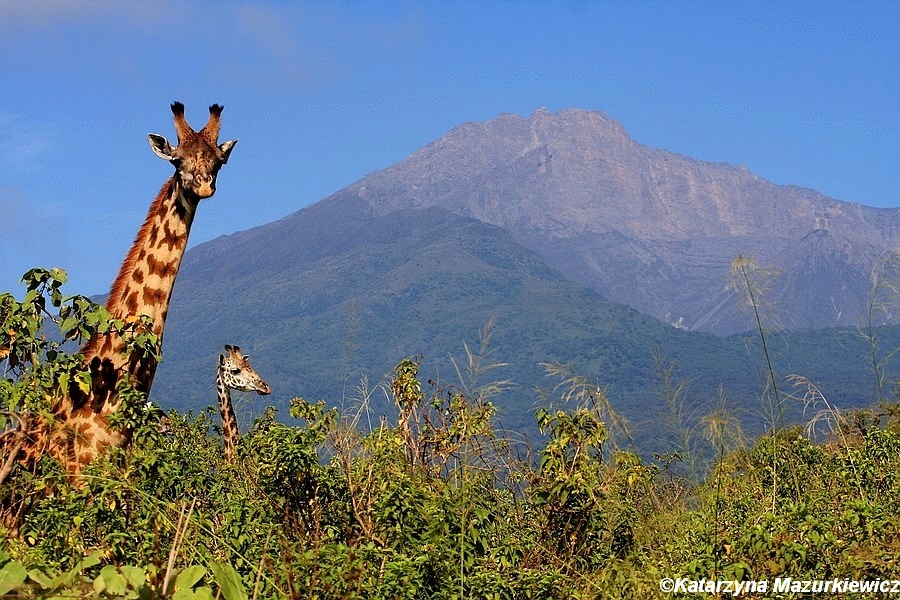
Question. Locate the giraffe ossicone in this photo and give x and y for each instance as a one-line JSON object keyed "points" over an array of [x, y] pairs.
{"points": [[235, 373]]}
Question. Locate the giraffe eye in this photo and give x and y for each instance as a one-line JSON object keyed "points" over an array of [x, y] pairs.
{"points": [[235, 371]]}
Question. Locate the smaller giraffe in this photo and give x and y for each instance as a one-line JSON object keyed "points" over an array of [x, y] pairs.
{"points": [[235, 373]]}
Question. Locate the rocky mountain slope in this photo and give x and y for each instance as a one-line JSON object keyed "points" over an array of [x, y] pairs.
{"points": [[649, 228]]}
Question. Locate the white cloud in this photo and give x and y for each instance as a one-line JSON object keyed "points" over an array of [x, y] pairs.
{"points": [[15, 14], [30, 234], [270, 45], [24, 222], [312, 43], [17, 217], [21, 146]]}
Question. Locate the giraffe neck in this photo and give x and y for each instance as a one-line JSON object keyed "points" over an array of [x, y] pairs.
{"points": [[143, 287], [229, 420], [145, 281]]}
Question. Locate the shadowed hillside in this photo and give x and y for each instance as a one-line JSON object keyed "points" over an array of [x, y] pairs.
{"points": [[334, 292]]}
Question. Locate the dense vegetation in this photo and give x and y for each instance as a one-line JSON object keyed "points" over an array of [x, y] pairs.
{"points": [[346, 294], [439, 502]]}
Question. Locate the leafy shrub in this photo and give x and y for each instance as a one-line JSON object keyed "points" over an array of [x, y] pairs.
{"points": [[436, 504]]}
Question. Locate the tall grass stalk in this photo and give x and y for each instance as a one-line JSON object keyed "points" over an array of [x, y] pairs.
{"points": [[830, 416], [743, 269], [184, 519], [750, 279], [715, 424], [682, 419], [586, 393], [470, 376], [884, 299]]}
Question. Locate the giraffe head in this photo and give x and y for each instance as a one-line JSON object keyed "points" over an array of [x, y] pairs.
{"points": [[198, 156], [237, 374]]}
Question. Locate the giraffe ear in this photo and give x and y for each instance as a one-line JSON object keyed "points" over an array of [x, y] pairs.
{"points": [[225, 148], [221, 359], [161, 147]]}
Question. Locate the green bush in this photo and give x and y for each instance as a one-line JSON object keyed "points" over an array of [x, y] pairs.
{"points": [[436, 504]]}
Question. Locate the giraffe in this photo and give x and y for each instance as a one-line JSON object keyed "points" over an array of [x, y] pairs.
{"points": [[235, 373], [143, 286]]}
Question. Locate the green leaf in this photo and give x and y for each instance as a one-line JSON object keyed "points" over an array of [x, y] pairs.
{"points": [[229, 581], [189, 577], [59, 275], [12, 575], [201, 593], [111, 581], [40, 578], [67, 325], [136, 576], [84, 381]]}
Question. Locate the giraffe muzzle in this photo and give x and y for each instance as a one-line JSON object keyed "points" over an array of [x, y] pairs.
{"points": [[205, 190]]}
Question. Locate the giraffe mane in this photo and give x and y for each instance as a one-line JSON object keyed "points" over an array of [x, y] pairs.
{"points": [[121, 282]]}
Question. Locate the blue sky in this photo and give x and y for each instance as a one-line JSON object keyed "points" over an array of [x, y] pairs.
{"points": [[322, 93]]}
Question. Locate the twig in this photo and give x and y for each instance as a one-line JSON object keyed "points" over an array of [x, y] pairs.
{"points": [[180, 530], [19, 435]]}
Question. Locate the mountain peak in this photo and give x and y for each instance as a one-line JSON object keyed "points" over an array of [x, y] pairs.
{"points": [[643, 226], [578, 118]]}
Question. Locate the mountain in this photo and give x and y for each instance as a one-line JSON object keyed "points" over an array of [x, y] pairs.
{"points": [[336, 292], [574, 241], [646, 227]]}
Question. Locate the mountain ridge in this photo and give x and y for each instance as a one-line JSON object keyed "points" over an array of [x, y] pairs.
{"points": [[567, 183]]}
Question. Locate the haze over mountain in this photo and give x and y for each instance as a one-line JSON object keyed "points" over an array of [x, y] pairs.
{"points": [[533, 224], [646, 227]]}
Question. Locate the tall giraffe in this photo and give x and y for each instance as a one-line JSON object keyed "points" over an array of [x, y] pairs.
{"points": [[142, 287], [235, 373]]}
